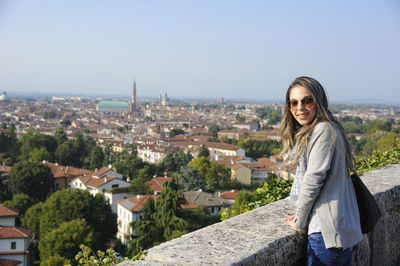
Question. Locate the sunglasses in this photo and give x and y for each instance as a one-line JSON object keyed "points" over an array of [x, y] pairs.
{"points": [[308, 102]]}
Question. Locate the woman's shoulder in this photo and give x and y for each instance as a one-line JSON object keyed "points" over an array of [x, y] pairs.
{"points": [[323, 126]]}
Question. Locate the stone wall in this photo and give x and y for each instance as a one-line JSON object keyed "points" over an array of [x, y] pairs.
{"points": [[261, 237]]}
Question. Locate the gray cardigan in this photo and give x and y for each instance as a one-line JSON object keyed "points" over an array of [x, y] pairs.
{"points": [[327, 187]]}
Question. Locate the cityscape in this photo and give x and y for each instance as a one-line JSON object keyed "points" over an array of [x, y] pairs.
{"points": [[129, 148], [149, 132]]}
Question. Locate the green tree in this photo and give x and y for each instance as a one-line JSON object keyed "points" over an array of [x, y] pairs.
{"points": [[55, 260], [60, 135], [33, 139], [31, 219], [213, 130], [96, 157], [387, 142], [139, 187], [39, 154], [217, 176], [65, 239], [204, 151], [67, 205], [176, 131], [65, 154], [21, 202], [189, 178], [32, 178], [147, 229]]}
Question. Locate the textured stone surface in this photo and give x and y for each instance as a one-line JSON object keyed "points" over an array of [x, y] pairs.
{"points": [[260, 237]]}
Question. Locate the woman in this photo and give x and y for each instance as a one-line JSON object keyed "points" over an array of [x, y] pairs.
{"points": [[323, 190]]}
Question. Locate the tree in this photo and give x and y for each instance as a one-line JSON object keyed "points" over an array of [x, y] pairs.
{"points": [[213, 130], [55, 260], [387, 142], [174, 160], [31, 219], [147, 229], [189, 178], [65, 239], [67, 205], [139, 187], [65, 154], [33, 139], [39, 154], [216, 176], [161, 220], [176, 131], [60, 135], [169, 206], [204, 151], [21, 202], [32, 178], [96, 157]]}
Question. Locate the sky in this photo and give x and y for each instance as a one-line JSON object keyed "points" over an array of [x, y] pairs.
{"points": [[208, 49]]}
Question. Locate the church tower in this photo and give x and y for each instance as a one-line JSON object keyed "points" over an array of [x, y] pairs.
{"points": [[133, 105]]}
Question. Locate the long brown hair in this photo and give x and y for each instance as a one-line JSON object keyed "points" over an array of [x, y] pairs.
{"points": [[292, 133]]}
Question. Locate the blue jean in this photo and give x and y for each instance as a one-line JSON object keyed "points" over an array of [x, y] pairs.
{"points": [[317, 254]]}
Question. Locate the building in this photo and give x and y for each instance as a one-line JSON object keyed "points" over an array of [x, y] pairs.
{"points": [[153, 153], [219, 148], [112, 107], [252, 126], [129, 210], [4, 99], [254, 172], [213, 203], [98, 185], [16, 243], [133, 103], [156, 184]]}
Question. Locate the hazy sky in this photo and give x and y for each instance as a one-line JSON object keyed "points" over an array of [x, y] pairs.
{"points": [[201, 49]]}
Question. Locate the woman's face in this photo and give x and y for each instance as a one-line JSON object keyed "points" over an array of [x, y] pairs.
{"points": [[302, 105]]}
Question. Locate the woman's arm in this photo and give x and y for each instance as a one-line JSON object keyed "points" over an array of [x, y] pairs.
{"points": [[319, 156]]}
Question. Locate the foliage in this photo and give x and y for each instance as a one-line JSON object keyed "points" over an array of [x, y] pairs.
{"points": [[9, 146], [39, 154], [189, 178], [273, 114], [258, 149], [213, 130], [96, 158], [378, 159], [174, 160], [139, 187], [32, 178], [55, 260], [21, 202], [67, 205], [31, 219], [204, 151], [161, 220], [34, 140], [49, 114], [176, 131], [64, 240], [270, 191], [86, 256]]}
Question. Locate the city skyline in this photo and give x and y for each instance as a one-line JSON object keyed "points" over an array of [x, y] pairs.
{"points": [[204, 50]]}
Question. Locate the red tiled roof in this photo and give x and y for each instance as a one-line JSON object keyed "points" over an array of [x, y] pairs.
{"points": [[95, 181], [4, 212], [229, 194], [139, 201], [157, 182], [5, 168], [6, 262], [14, 232]]}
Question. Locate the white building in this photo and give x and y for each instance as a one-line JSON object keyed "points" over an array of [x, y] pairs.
{"points": [[95, 184], [15, 242], [114, 196], [153, 153], [129, 210]]}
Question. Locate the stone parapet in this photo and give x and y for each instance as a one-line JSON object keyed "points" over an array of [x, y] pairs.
{"points": [[261, 237]]}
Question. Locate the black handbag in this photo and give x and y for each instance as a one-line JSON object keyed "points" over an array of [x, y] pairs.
{"points": [[367, 206]]}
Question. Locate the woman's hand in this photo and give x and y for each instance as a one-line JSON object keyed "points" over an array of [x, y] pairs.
{"points": [[290, 220]]}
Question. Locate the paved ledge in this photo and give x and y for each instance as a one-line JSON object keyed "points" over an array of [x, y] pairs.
{"points": [[260, 236]]}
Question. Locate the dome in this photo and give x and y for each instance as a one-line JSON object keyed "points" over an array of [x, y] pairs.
{"points": [[4, 97]]}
